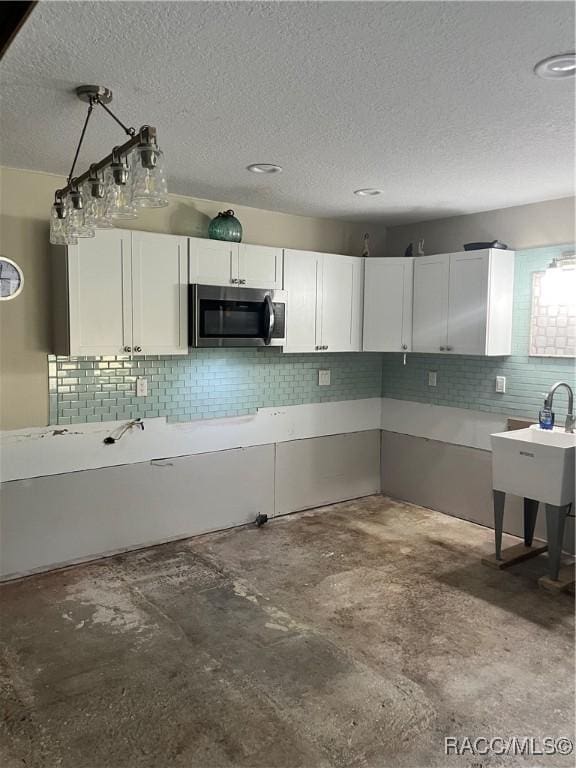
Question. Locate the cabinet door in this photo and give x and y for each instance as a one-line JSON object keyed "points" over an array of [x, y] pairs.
{"points": [[159, 294], [342, 293], [99, 284], [468, 303], [388, 305], [213, 262], [430, 310], [302, 281], [260, 266]]}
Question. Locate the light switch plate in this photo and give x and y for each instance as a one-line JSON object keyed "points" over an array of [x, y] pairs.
{"points": [[501, 384], [141, 386], [432, 378], [323, 378]]}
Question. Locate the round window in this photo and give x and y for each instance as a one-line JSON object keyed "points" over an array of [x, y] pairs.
{"points": [[11, 279]]}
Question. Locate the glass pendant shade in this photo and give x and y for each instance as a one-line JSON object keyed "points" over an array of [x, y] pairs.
{"points": [[97, 210], [149, 188], [121, 204], [57, 228], [75, 220]]}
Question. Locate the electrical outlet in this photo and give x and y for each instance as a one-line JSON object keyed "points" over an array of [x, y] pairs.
{"points": [[323, 378], [501, 384], [432, 378], [141, 386]]}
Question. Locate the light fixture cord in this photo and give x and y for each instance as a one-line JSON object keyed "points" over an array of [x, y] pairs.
{"points": [[90, 108], [128, 131]]}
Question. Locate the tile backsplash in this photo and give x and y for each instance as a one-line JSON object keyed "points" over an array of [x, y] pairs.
{"points": [[469, 382], [207, 383]]}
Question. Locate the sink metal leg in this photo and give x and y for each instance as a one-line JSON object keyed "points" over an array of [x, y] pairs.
{"points": [[530, 513], [555, 520], [499, 502]]}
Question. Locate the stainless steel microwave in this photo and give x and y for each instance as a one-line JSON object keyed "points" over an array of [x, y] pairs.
{"points": [[236, 317]]}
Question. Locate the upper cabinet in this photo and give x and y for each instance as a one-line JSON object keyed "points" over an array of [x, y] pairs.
{"points": [[463, 303], [324, 302], [388, 305], [159, 294], [121, 293], [214, 262]]}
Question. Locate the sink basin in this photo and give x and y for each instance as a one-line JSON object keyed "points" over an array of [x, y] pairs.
{"points": [[535, 463]]}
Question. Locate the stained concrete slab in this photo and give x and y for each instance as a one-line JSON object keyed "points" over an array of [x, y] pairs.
{"points": [[361, 635]]}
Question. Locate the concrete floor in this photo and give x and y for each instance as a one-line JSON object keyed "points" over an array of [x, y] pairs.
{"points": [[358, 635]]}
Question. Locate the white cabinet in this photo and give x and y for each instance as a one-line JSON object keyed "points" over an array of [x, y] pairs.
{"points": [[214, 262], [324, 310], [121, 293], [260, 266], [388, 305], [342, 300], [463, 303], [430, 303], [159, 294]]}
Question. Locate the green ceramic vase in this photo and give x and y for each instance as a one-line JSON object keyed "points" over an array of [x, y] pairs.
{"points": [[225, 226]]}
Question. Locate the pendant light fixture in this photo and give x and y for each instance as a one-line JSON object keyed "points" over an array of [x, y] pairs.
{"points": [[131, 177]]}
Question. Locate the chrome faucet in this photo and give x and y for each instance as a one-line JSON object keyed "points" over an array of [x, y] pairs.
{"points": [[570, 420]]}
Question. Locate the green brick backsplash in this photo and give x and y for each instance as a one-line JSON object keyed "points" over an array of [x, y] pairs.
{"points": [[234, 382], [204, 384], [469, 382]]}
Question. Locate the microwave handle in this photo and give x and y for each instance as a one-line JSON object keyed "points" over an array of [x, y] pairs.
{"points": [[270, 311]]}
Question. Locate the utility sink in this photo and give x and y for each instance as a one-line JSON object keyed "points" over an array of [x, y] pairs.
{"points": [[535, 463]]}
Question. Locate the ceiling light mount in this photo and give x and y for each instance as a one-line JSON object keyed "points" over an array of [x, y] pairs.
{"points": [[88, 93], [264, 168], [557, 67], [368, 192]]}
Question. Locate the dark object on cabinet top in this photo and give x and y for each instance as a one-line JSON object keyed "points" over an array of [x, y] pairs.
{"points": [[482, 246]]}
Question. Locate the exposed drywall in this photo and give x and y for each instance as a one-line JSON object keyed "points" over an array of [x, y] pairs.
{"points": [[454, 479], [60, 519], [50, 521], [339, 467], [522, 226], [25, 200]]}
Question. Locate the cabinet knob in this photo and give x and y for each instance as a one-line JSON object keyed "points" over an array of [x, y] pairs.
{"points": [[449, 349], [137, 349], [442, 349], [127, 349], [234, 280], [242, 282], [326, 347], [404, 346]]}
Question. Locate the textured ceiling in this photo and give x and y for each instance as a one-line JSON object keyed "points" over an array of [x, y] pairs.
{"points": [[433, 102]]}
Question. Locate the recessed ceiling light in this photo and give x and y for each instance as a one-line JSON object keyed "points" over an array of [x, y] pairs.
{"points": [[561, 65], [367, 192], [264, 168]]}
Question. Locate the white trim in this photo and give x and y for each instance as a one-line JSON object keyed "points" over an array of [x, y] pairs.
{"points": [[42, 451], [458, 426]]}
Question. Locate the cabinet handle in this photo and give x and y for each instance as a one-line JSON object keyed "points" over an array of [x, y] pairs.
{"points": [[137, 349], [127, 349]]}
